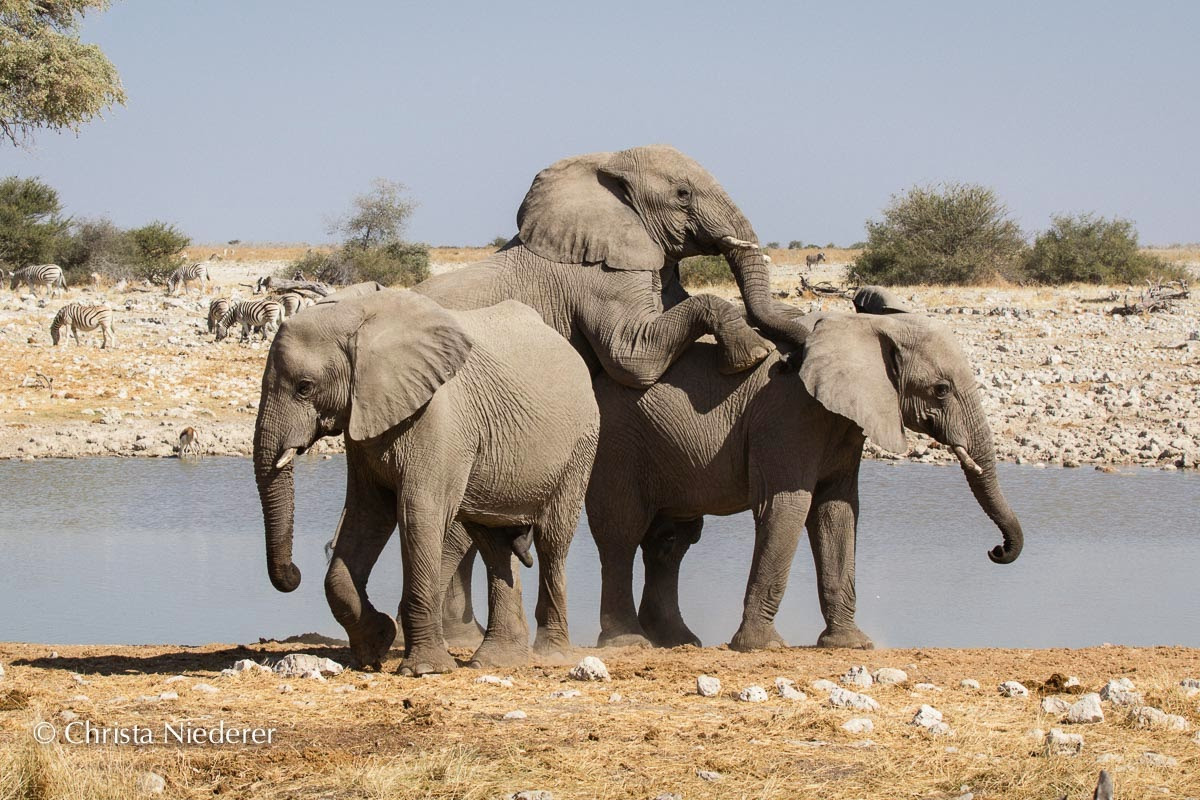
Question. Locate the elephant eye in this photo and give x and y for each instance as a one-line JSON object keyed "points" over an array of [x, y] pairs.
{"points": [[684, 194], [941, 390], [305, 388]]}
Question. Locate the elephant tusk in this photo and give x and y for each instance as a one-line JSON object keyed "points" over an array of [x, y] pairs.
{"points": [[286, 458], [966, 460], [734, 242]]}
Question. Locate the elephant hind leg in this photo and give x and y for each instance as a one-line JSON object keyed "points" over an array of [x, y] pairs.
{"points": [[617, 521], [506, 640], [663, 549], [459, 627], [832, 531]]}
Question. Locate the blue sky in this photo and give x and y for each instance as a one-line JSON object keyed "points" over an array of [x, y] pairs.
{"points": [[259, 120]]}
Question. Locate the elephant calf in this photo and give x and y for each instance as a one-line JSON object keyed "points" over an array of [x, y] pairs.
{"points": [[785, 444], [456, 422]]}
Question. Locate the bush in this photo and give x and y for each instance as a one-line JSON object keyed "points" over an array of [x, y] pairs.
{"points": [[397, 264], [96, 246], [772, 245], [499, 242], [952, 234], [704, 271], [31, 230], [1089, 249], [795, 244], [156, 250]]}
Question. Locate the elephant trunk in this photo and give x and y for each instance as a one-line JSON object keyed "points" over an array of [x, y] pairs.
{"points": [[748, 263], [980, 468], [276, 492]]}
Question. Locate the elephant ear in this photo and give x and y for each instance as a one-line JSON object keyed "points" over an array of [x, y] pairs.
{"points": [[878, 300], [405, 349], [850, 367], [575, 213]]}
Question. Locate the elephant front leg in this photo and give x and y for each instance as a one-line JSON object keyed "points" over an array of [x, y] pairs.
{"points": [[832, 528], [459, 627], [423, 525], [361, 537], [777, 532], [663, 550]]}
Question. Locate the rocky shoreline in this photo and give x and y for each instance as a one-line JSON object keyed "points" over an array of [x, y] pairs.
{"points": [[1064, 381]]}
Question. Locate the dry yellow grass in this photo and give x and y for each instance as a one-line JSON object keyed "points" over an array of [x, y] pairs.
{"points": [[445, 736]]}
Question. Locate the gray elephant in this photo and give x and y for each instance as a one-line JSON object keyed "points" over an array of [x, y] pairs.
{"points": [[785, 444], [468, 423]]}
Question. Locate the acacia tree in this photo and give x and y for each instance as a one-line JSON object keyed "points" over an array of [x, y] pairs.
{"points": [[48, 78], [31, 223], [377, 218]]}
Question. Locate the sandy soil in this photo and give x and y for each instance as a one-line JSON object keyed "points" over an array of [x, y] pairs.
{"points": [[1064, 382], [645, 733]]}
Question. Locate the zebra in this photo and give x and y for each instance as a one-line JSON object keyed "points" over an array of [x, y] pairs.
{"points": [[186, 274], [216, 310], [293, 303], [811, 260], [48, 275], [264, 314], [79, 317]]}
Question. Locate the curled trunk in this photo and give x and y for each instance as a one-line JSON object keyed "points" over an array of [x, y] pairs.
{"points": [[981, 477], [749, 266]]}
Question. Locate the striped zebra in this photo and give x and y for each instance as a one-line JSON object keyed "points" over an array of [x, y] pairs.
{"points": [[48, 275], [264, 315], [185, 275], [812, 261], [79, 317], [293, 303], [216, 310]]}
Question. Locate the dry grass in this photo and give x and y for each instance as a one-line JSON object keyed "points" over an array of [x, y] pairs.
{"points": [[444, 736]]}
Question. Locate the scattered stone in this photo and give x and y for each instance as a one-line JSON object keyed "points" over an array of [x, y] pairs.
{"points": [[205, 688], [294, 664], [823, 685], [708, 775], [1120, 692], [175, 679], [1055, 705], [969, 683], [1086, 710], [1071, 681], [930, 719], [531, 794], [516, 715], [1151, 717], [844, 698], [1158, 760], [66, 715], [247, 665], [590, 669], [857, 676], [285, 688], [505, 683], [787, 689], [927, 687], [151, 783], [753, 694], [75, 676], [858, 725], [1063, 744], [708, 686], [890, 675], [565, 694], [1013, 689]]}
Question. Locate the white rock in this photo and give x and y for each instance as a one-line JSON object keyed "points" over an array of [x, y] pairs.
{"points": [[1120, 692], [615, 697], [590, 669], [1086, 710], [566, 694], [1158, 760], [708, 686], [169, 696], [858, 725], [753, 694], [1013, 689], [787, 689], [668, 796], [823, 685], [175, 679], [926, 717], [844, 698], [1071, 681], [66, 715], [516, 715], [886, 675], [294, 664], [969, 683], [246, 665], [1063, 744], [229, 672], [492, 680], [205, 688], [708, 775], [1151, 717], [927, 687], [313, 675], [1, 672], [80, 698], [285, 688], [1055, 705], [857, 676], [75, 676], [151, 783]]}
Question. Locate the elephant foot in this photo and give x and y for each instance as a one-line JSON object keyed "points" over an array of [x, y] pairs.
{"points": [[623, 640], [427, 661], [373, 641], [466, 635], [676, 635], [495, 653], [742, 350], [849, 637], [759, 637], [552, 648]]}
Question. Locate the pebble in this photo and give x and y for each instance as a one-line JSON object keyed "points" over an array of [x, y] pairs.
{"points": [[708, 775], [589, 669], [294, 664], [151, 783], [708, 686], [1120, 692], [566, 694], [858, 676], [823, 685], [75, 676], [844, 698], [1013, 689], [969, 683], [889, 675], [1055, 705], [1086, 710], [1063, 744], [927, 687], [753, 694], [858, 725], [787, 689], [516, 715], [930, 719], [205, 688], [1151, 717], [493, 680]]}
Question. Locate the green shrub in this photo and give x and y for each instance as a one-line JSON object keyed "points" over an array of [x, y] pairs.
{"points": [[1089, 249], [704, 271], [772, 245], [31, 228], [396, 264], [795, 244], [96, 246], [950, 234], [157, 250]]}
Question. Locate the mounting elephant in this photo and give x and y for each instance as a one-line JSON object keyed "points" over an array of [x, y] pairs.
{"points": [[600, 235], [786, 445], [457, 423]]}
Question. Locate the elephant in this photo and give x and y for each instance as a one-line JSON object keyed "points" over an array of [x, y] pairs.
{"points": [[457, 424], [785, 444]]}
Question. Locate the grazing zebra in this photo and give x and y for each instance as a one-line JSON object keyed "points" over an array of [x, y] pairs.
{"points": [[48, 275], [264, 314], [216, 310], [187, 442], [79, 317], [814, 260], [186, 274], [293, 303]]}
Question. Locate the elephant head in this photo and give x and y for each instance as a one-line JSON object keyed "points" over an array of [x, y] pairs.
{"points": [[645, 209], [363, 365], [903, 370]]}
